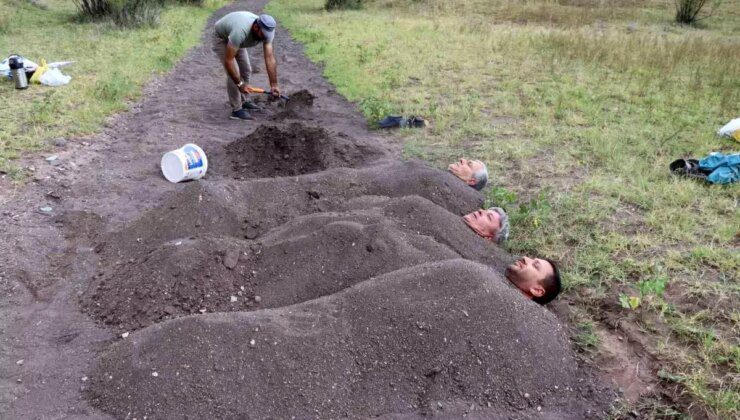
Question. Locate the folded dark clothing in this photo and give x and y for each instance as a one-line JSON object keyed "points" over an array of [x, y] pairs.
{"points": [[398, 121]]}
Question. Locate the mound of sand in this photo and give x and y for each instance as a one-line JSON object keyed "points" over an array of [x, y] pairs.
{"points": [[299, 107], [411, 342], [248, 209], [222, 274], [295, 149]]}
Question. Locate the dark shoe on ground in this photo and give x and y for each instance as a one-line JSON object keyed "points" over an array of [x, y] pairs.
{"points": [[396, 121], [391, 121], [688, 168], [240, 114], [416, 122], [251, 106]]}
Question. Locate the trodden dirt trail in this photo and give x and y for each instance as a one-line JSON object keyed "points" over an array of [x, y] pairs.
{"points": [[310, 274]]}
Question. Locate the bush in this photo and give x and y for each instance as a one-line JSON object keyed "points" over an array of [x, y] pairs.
{"points": [[124, 13], [94, 9], [688, 10], [343, 4], [134, 13]]}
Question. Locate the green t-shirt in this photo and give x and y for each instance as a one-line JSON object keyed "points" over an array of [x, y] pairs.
{"points": [[236, 27]]}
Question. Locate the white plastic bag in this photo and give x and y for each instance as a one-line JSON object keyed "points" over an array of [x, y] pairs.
{"points": [[729, 128], [54, 77]]}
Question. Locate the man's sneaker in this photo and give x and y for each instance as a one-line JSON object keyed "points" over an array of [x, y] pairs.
{"points": [[240, 114], [251, 106]]}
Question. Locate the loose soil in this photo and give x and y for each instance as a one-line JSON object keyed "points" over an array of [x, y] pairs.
{"points": [[413, 342], [273, 151], [311, 273]]}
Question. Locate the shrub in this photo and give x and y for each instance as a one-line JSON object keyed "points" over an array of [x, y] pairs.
{"points": [[94, 9], [343, 4], [124, 13], [134, 13], [688, 10]]}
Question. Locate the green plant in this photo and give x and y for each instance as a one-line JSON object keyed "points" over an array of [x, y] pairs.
{"points": [[687, 11], [648, 289], [654, 287], [343, 4], [94, 9], [585, 338], [375, 109], [135, 13], [629, 302], [124, 13]]}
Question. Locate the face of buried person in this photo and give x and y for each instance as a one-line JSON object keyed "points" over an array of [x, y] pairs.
{"points": [[485, 223], [529, 274], [464, 169]]}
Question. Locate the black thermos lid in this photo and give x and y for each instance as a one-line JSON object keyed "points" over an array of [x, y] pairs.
{"points": [[15, 62]]}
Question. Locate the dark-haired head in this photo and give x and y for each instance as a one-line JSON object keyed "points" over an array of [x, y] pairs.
{"points": [[537, 278], [551, 284]]}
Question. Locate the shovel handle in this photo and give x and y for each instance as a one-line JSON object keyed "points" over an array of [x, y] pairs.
{"points": [[266, 92]]}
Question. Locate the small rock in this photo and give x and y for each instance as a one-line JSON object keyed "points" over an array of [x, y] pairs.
{"points": [[52, 158], [631, 27], [84, 379], [252, 343], [19, 363], [526, 395], [439, 404], [19, 380], [539, 408], [233, 299], [155, 374], [124, 335], [59, 142], [231, 258], [202, 310], [257, 299], [54, 194], [45, 209]]}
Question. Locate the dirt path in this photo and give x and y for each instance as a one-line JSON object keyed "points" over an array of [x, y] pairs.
{"points": [[311, 215]]}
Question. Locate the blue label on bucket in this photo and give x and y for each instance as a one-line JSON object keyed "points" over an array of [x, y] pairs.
{"points": [[195, 160]]}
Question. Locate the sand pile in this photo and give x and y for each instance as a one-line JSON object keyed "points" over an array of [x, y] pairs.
{"points": [[249, 209], [414, 341], [304, 262], [295, 149]]}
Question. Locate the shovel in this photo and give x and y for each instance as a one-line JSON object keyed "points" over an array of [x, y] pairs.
{"points": [[266, 92]]}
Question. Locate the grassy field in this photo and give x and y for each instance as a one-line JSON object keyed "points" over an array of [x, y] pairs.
{"points": [[110, 66], [578, 107]]}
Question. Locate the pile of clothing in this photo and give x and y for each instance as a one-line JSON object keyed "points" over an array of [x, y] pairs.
{"points": [[717, 168]]}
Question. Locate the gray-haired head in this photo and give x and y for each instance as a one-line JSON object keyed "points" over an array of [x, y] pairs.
{"points": [[503, 232], [481, 178]]}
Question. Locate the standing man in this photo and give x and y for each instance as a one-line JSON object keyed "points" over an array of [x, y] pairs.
{"points": [[233, 34]]}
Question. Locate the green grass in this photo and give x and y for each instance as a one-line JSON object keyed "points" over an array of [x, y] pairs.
{"points": [[578, 110], [111, 65]]}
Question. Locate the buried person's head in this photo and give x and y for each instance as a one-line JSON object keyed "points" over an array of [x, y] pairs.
{"points": [[472, 172], [537, 278], [491, 224]]}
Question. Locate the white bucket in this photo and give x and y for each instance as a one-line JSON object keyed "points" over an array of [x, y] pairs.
{"points": [[187, 162]]}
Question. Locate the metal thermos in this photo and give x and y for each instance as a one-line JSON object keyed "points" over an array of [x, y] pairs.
{"points": [[18, 71]]}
